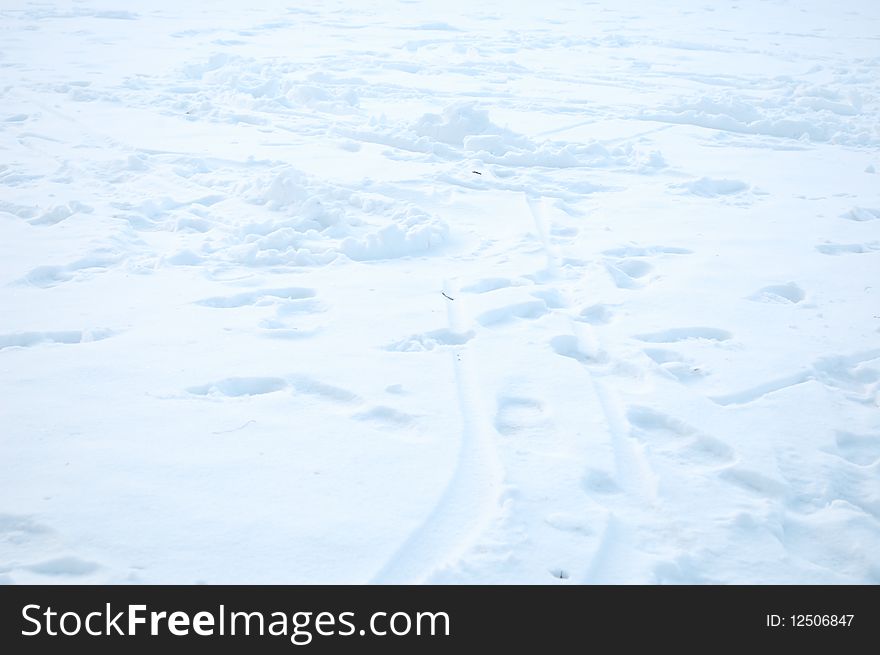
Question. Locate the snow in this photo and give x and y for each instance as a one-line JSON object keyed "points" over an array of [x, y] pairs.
{"points": [[444, 292]]}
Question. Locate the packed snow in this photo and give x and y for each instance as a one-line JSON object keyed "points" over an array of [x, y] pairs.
{"points": [[440, 292]]}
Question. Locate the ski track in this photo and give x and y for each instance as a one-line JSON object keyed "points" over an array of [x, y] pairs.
{"points": [[536, 208], [470, 499], [658, 360]]}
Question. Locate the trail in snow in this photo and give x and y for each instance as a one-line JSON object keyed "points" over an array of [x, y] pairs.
{"points": [[222, 337], [471, 497]]}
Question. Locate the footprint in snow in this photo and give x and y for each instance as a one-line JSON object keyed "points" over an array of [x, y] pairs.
{"points": [[516, 415], [258, 297], [31, 339], [528, 310], [628, 265], [673, 335], [862, 214], [596, 481], [677, 441], [779, 293], [431, 340], [64, 567], [238, 387], [848, 248], [629, 273], [568, 345], [858, 449], [597, 314], [676, 365], [645, 251], [387, 416], [488, 284]]}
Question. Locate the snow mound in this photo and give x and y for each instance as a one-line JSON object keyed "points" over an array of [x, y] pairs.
{"points": [[710, 188], [465, 131], [412, 232], [818, 114], [311, 223]]}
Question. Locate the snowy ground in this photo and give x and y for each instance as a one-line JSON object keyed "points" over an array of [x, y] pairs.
{"points": [[262, 321]]}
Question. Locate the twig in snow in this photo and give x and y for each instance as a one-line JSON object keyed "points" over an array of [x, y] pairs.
{"points": [[240, 427]]}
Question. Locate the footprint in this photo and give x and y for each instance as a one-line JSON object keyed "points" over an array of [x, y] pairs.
{"points": [[862, 214], [673, 335], [64, 566], [295, 306], [184, 257], [47, 276], [757, 392], [192, 224], [531, 309], [567, 345], [638, 251], [679, 367], [848, 248], [259, 297], [488, 284], [859, 449], [235, 387], [707, 187], [18, 528], [50, 276], [430, 340], [851, 374], [753, 481], [306, 385], [779, 293], [628, 273], [553, 298], [598, 314], [856, 375], [651, 420], [707, 450], [856, 486], [599, 482], [21, 211], [567, 522], [21, 537], [30, 339], [275, 329], [834, 538], [386, 416], [8, 177], [53, 216], [516, 415], [676, 439], [681, 569], [662, 356], [634, 268], [61, 212]]}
